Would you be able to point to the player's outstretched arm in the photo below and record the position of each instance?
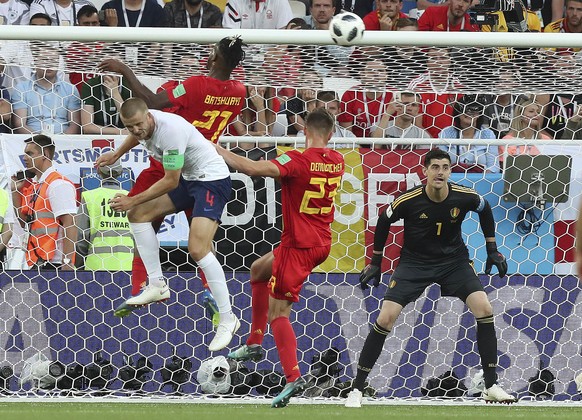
(494, 257)
(153, 100)
(248, 166)
(110, 158)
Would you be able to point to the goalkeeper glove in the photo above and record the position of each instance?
(372, 272)
(495, 258)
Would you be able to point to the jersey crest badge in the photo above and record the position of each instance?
(455, 211)
(179, 91)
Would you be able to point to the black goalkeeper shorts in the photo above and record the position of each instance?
(409, 281)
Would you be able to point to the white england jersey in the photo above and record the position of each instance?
(173, 134)
(60, 16)
(14, 12)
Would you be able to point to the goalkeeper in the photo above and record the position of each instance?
(434, 251)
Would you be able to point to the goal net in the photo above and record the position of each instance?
(509, 115)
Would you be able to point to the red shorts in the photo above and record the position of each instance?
(291, 268)
(147, 177)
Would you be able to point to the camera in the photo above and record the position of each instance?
(514, 12)
(22, 175)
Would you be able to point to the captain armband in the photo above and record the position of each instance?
(173, 160)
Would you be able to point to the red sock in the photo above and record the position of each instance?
(139, 275)
(259, 312)
(203, 278)
(287, 347)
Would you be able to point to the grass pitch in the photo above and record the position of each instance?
(193, 411)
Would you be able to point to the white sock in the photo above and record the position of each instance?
(148, 246)
(217, 284)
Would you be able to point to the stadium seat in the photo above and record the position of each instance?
(298, 8)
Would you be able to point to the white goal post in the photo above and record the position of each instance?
(65, 321)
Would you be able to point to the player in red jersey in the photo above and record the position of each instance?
(309, 183)
(210, 103)
(450, 17)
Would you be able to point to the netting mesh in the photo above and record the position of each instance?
(489, 107)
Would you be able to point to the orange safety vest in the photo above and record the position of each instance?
(44, 227)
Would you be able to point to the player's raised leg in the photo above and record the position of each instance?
(261, 271)
(147, 243)
(210, 198)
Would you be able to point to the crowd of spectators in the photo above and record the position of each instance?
(401, 92)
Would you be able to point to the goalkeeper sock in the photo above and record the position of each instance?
(286, 343)
(372, 348)
(217, 283)
(259, 312)
(139, 275)
(487, 345)
(148, 247)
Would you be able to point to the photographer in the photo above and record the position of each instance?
(502, 16)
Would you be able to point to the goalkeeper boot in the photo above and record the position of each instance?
(496, 394)
(354, 399)
(150, 294)
(211, 307)
(253, 352)
(224, 333)
(290, 390)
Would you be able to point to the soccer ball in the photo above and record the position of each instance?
(346, 28)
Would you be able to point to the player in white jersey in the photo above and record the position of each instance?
(196, 177)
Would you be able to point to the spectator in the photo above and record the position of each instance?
(328, 60)
(105, 242)
(572, 20)
(83, 52)
(101, 98)
(404, 63)
(192, 14)
(451, 17)
(61, 12)
(17, 12)
(47, 208)
(135, 13)
(501, 107)
(364, 107)
(297, 108)
(525, 125)
(290, 57)
(257, 14)
(40, 19)
(468, 120)
(559, 107)
(46, 103)
(385, 17)
(14, 53)
(328, 99)
(397, 121)
(258, 116)
(434, 87)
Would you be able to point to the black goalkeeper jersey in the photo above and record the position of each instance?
(432, 231)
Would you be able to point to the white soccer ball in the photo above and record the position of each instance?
(346, 28)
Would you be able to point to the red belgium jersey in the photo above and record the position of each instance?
(209, 104)
(309, 183)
